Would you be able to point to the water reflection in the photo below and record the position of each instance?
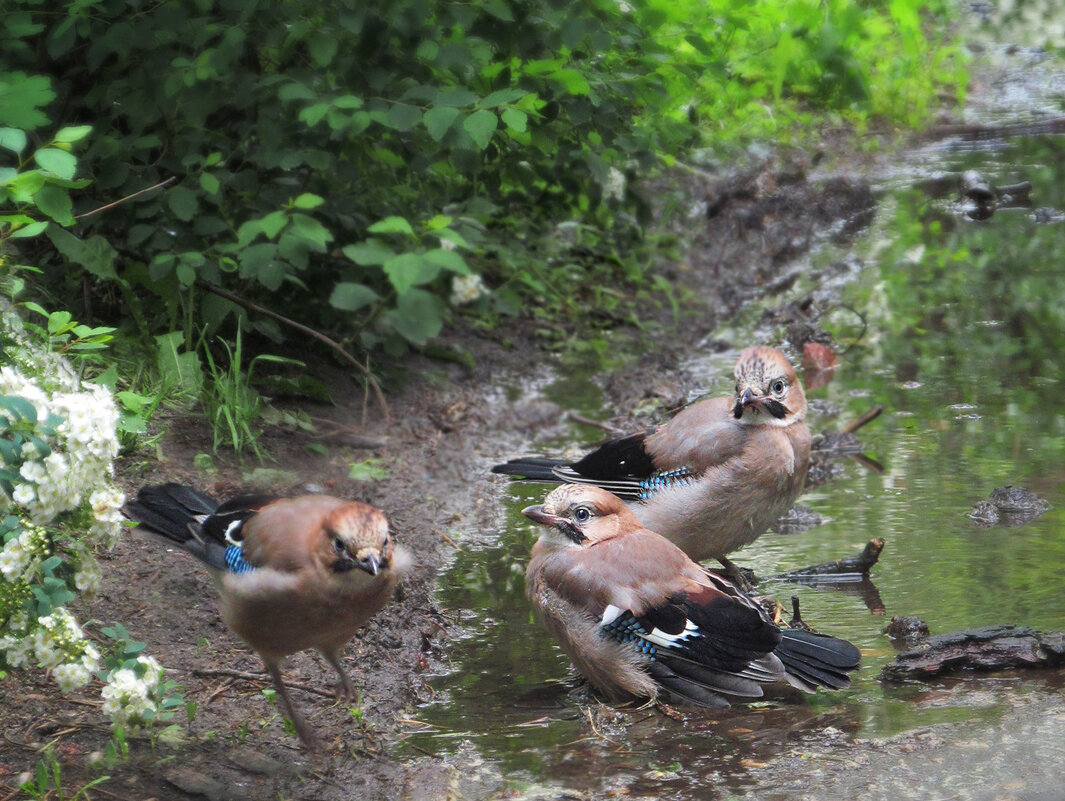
(965, 349)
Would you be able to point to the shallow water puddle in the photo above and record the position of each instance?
(964, 346)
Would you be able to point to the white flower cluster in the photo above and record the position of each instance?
(57, 643)
(130, 700)
(466, 289)
(22, 554)
(64, 466)
(614, 186)
(83, 448)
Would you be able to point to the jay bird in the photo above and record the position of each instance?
(717, 475)
(291, 573)
(638, 618)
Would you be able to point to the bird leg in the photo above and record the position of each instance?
(307, 737)
(736, 574)
(345, 689)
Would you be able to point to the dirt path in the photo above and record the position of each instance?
(449, 424)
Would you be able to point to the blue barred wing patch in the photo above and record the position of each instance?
(627, 629)
(235, 561)
(659, 481)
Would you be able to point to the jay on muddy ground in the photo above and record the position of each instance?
(291, 573)
(714, 477)
(640, 620)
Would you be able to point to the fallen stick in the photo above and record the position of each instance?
(851, 568)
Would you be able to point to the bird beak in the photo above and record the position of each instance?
(370, 563)
(748, 398)
(538, 515)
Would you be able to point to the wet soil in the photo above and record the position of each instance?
(447, 425)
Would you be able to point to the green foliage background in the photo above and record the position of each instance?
(341, 162)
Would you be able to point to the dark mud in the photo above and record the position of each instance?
(448, 424)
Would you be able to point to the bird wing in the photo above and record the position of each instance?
(701, 436)
(705, 634)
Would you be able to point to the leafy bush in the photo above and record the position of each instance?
(57, 442)
(350, 162)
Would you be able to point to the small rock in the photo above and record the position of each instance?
(907, 629)
(192, 782)
(799, 518)
(985, 513)
(1017, 499)
(1010, 506)
(255, 761)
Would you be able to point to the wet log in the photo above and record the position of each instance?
(851, 568)
(982, 649)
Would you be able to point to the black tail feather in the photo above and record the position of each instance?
(817, 660)
(168, 509)
(531, 469)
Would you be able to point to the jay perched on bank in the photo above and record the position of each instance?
(291, 573)
(638, 618)
(716, 476)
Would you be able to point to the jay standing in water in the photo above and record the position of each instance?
(716, 476)
(638, 618)
(291, 573)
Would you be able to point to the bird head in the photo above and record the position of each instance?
(357, 536)
(583, 515)
(768, 391)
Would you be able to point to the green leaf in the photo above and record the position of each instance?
(347, 102)
(13, 139)
(20, 97)
(517, 120)
(56, 203)
(501, 97)
(56, 161)
(352, 297)
(572, 81)
(26, 231)
(498, 9)
(272, 223)
(438, 121)
(480, 126)
(73, 133)
(369, 252)
(418, 316)
(391, 225)
(209, 184)
(323, 48)
(368, 470)
(457, 98)
(308, 201)
(403, 271)
(95, 254)
(296, 91)
(183, 202)
(448, 259)
(402, 117)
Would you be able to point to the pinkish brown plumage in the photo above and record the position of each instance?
(718, 474)
(291, 573)
(637, 617)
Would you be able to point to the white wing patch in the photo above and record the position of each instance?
(663, 640)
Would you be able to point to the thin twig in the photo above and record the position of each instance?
(120, 201)
(255, 307)
(577, 418)
(265, 679)
(866, 418)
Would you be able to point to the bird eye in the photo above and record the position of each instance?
(581, 514)
(778, 387)
(338, 545)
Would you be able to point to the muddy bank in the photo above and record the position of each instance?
(448, 424)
